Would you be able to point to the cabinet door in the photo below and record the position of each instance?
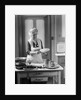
(61, 61)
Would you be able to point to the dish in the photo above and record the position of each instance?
(33, 52)
(37, 64)
(35, 49)
(53, 67)
(20, 58)
(44, 50)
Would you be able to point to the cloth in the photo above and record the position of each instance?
(36, 58)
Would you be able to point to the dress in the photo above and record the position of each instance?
(31, 45)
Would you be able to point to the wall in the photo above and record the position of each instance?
(48, 35)
(60, 29)
(60, 37)
(57, 33)
(16, 37)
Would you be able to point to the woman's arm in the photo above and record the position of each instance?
(28, 48)
(41, 44)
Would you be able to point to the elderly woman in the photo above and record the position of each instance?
(33, 47)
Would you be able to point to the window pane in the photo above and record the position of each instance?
(41, 31)
(28, 26)
(63, 25)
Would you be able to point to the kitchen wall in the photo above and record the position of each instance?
(60, 29)
(57, 33)
(60, 42)
(16, 37)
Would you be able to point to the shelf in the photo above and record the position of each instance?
(60, 54)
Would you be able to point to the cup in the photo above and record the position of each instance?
(49, 63)
(52, 64)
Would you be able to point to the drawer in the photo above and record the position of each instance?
(42, 74)
(39, 79)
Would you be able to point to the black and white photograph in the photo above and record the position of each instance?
(40, 49)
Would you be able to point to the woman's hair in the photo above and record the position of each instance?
(32, 31)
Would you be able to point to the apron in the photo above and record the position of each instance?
(36, 58)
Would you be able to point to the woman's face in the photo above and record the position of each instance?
(34, 36)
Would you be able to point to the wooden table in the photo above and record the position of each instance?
(39, 72)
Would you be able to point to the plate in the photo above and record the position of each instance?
(53, 67)
(35, 49)
(20, 58)
(37, 64)
(44, 50)
(33, 52)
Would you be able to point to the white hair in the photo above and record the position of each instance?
(31, 31)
